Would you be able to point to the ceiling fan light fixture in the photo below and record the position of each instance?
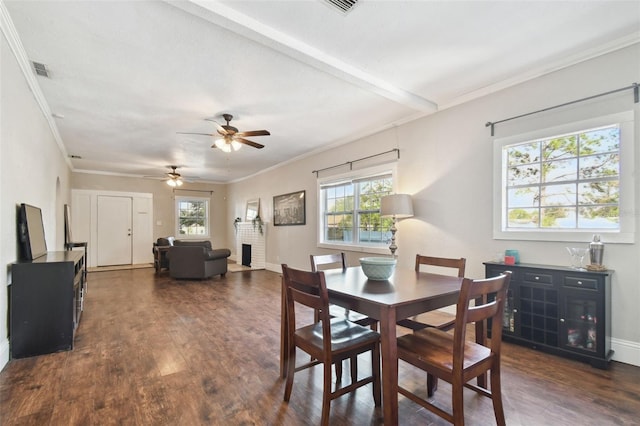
(174, 182)
(223, 145)
(236, 145)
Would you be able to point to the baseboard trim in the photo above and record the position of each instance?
(626, 351)
(274, 267)
(4, 353)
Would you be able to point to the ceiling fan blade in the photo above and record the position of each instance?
(220, 129)
(248, 142)
(254, 133)
(189, 133)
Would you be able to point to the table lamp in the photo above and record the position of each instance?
(398, 206)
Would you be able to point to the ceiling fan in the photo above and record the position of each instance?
(173, 178)
(229, 137)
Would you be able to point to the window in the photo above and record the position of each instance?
(566, 183)
(192, 217)
(349, 211)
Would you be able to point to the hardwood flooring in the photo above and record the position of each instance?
(153, 351)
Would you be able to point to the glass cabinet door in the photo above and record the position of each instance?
(580, 323)
(509, 314)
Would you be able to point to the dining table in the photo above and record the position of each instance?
(405, 294)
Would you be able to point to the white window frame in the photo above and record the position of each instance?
(353, 175)
(626, 233)
(177, 217)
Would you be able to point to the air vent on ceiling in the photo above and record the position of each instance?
(343, 6)
(41, 69)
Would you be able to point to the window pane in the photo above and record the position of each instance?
(604, 192)
(605, 217)
(523, 175)
(523, 154)
(558, 195)
(523, 197)
(373, 229)
(596, 166)
(562, 170)
(558, 217)
(559, 148)
(523, 218)
(600, 140)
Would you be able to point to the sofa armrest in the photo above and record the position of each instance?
(218, 254)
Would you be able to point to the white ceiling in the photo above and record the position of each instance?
(128, 75)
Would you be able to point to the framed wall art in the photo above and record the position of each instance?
(289, 209)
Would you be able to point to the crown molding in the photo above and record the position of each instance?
(11, 35)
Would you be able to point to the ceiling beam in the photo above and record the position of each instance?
(257, 31)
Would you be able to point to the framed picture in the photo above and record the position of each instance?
(289, 209)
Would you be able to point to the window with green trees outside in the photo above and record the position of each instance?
(568, 181)
(192, 216)
(350, 211)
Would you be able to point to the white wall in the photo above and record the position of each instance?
(164, 202)
(32, 170)
(446, 164)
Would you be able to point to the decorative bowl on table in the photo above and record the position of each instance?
(378, 268)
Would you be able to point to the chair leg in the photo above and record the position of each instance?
(354, 369)
(496, 395)
(432, 385)
(457, 402)
(326, 394)
(291, 370)
(375, 370)
(338, 371)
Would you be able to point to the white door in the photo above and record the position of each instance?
(114, 230)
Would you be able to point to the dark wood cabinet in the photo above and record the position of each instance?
(46, 302)
(559, 310)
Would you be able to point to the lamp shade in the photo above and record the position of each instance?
(398, 205)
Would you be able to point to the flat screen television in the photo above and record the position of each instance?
(31, 232)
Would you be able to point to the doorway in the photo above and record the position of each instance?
(114, 230)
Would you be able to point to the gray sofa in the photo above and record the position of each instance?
(196, 260)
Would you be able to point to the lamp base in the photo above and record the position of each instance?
(393, 247)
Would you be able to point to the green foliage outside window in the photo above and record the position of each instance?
(565, 182)
(352, 211)
(192, 217)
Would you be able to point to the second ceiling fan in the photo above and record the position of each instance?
(229, 138)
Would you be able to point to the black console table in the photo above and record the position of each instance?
(559, 310)
(46, 302)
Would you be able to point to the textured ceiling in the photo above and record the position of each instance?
(126, 76)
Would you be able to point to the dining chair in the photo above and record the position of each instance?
(336, 261)
(434, 319)
(329, 341)
(454, 359)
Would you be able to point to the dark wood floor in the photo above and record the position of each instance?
(152, 351)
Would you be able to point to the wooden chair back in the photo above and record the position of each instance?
(444, 262)
(475, 306)
(327, 261)
(308, 289)
(341, 339)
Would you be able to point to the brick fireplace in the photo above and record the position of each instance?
(250, 244)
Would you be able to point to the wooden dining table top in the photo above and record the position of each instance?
(408, 291)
